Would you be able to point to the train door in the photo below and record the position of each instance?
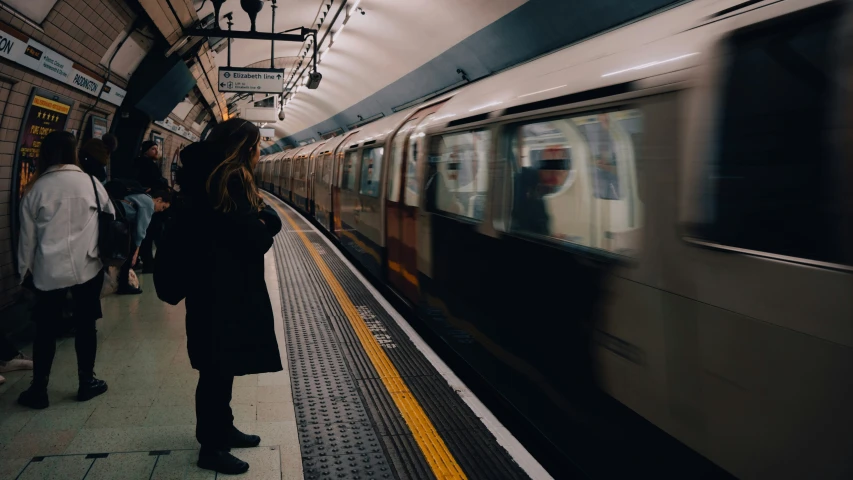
(401, 203)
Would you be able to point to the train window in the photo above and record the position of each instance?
(327, 169)
(462, 173)
(773, 183)
(399, 148)
(575, 180)
(371, 171)
(416, 146)
(349, 170)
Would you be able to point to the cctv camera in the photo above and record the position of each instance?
(314, 80)
(281, 114)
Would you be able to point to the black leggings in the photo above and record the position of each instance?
(213, 409)
(48, 317)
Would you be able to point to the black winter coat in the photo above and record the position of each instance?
(147, 173)
(230, 325)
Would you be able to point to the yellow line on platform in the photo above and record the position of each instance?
(438, 456)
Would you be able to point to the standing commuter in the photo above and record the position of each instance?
(147, 172)
(139, 210)
(94, 158)
(230, 326)
(59, 248)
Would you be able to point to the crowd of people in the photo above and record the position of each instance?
(222, 220)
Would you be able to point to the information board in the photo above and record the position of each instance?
(251, 80)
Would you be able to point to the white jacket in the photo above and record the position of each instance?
(59, 229)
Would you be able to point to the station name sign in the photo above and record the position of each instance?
(251, 80)
(17, 47)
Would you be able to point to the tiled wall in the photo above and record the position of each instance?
(81, 30)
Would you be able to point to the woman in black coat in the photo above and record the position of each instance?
(230, 326)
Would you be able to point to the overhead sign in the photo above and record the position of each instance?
(17, 47)
(177, 129)
(251, 80)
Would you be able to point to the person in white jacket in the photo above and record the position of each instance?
(58, 252)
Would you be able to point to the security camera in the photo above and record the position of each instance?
(314, 80)
(281, 114)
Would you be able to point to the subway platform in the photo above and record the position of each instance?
(360, 397)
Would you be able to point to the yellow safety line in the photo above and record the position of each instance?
(437, 455)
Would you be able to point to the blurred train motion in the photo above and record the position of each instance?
(661, 213)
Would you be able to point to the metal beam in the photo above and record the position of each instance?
(278, 37)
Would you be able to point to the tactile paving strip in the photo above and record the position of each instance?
(474, 448)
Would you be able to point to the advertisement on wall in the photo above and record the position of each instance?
(46, 112)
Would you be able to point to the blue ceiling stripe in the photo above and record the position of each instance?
(535, 28)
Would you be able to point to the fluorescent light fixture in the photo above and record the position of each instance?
(354, 6)
(540, 91)
(337, 34)
(651, 64)
(485, 106)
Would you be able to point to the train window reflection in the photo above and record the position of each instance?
(327, 169)
(416, 146)
(371, 171)
(575, 180)
(349, 170)
(399, 148)
(462, 173)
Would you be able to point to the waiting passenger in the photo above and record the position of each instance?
(139, 209)
(59, 248)
(230, 326)
(94, 158)
(146, 171)
(11, 359)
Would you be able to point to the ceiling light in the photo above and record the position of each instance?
(651, 64)
(354, 6)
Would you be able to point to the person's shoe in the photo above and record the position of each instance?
(19, 362)
(90, 388)
(2, 379)
(238, 439)
(221, 461)
(128, 290)
(35, 396)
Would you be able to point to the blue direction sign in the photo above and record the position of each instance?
(251, 80)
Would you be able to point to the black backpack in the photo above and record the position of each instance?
(119, 188)
(113, 233)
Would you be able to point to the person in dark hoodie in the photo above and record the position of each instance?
(230, 326)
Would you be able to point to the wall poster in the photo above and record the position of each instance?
(46, 112)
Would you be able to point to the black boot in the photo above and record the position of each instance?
(238, 439)
(221, 461)
(90, 387)
(36, 395)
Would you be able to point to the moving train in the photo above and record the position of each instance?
(643, 242)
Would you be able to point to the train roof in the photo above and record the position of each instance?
(672, 41)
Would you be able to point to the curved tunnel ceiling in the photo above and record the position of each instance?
(399, 51)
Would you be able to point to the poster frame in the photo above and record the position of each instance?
(14, 200)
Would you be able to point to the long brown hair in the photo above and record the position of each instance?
(237, 138)
(58, 148)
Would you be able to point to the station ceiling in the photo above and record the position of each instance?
(387, 53)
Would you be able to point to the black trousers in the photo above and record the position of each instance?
(213, 409)
(48, 318)
(7, 350)
(124, 272)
